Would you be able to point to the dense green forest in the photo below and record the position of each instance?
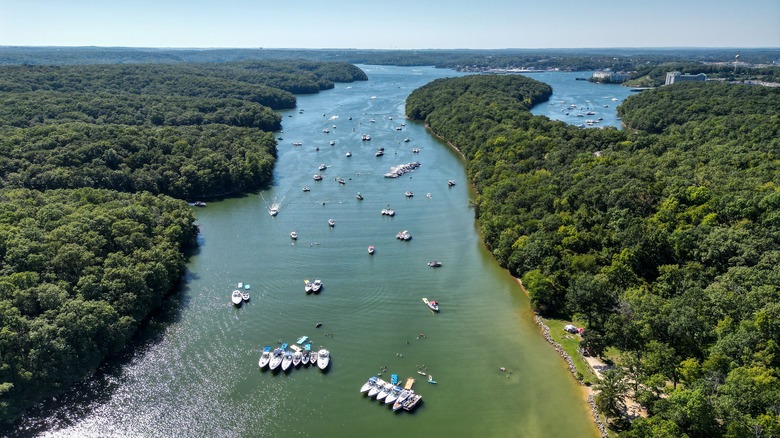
(664, 245)
(92, 161)
(79, 269)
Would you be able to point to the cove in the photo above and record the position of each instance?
(195, 373)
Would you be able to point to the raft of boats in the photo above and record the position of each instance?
(391, 394)
(401, 169)
(285, 359)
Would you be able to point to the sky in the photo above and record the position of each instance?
(397, 24)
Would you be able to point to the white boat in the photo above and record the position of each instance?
(450, 182)
(297, 357)
(313, 357)
(245, 296)
(276, 359)
(323, 359)
(294, 235)
(415, 150)
(287, 360)
(434, 264)
(378, 385)
(433, 305)
(316, 285)
(406, 140)
(305, 357)
(366, 386)
(399, 402)
(386, 389)
(306, 189)
(317, 177)
(323, 166)
(379, 153)
(371, 249)
(412, 401)
(393, 396)
(240, 284)
(388, 212)
(341, 181)
(408, 194)
(265, 357)
(236, 298)
(366, 137)
(403, 235)
(349, 154)
(326, 131)
(297, 143)
(332, 142)
(331, 223)
(273, 211)
(359, 197)
(308, 286)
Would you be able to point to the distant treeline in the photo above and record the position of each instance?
(574, 59)
(665, 245)
(95, 164)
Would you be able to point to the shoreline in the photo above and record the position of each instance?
(587, 392)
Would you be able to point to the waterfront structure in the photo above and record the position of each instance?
(675, 76)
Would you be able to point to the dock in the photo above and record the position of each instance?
(409, 383)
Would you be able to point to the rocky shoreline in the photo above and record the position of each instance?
(573, 370)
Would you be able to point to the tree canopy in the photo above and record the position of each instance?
(663, 241)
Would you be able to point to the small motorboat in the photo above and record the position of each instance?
(393, 395)
(313, 358)
(402, 398)
(415, 150)
(379, 153)
(386, 389)
(323, 359)
(450, 182)
(273, 211)
(434, 264)
(317, 177)
(326, 131)
(297, 143)
(276, 359)
(403, 235)
(297, 357)
(308, 286)
(371, 249)
(294, 235)
(323, 166)
(265, 357)
(316, 285)
(378, 385)
(245, 295)
(306, 189)
(408, 194)
(412, 402)
(359, 196)
(349, 154)
(366, 137)
(331, 223)
(366, 386)
(287, 360)
(341, 181)
(236, 298)
(306, 355)
(406, 140)
(332, 142)
(198, 204)
(433, 305)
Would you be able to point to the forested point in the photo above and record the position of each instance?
(95, 164)
(79, 269)
(663, 244)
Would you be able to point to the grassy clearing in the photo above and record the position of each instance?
(571, 344)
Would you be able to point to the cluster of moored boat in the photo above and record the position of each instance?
(295, 356)
(403, 235)
(312, 286)
(401, 169)
(391, 394)
(240, 295)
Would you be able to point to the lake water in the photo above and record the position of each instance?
(193, 370)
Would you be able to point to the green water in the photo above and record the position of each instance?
(195, 373)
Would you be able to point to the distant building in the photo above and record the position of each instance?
(676, 76)
(608, 76)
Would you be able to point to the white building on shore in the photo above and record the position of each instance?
(675, 76)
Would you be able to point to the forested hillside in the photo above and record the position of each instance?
(92, 161)
(665, 245)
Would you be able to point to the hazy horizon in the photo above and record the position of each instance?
(403, 25)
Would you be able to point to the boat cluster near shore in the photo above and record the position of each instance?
(401, 169)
